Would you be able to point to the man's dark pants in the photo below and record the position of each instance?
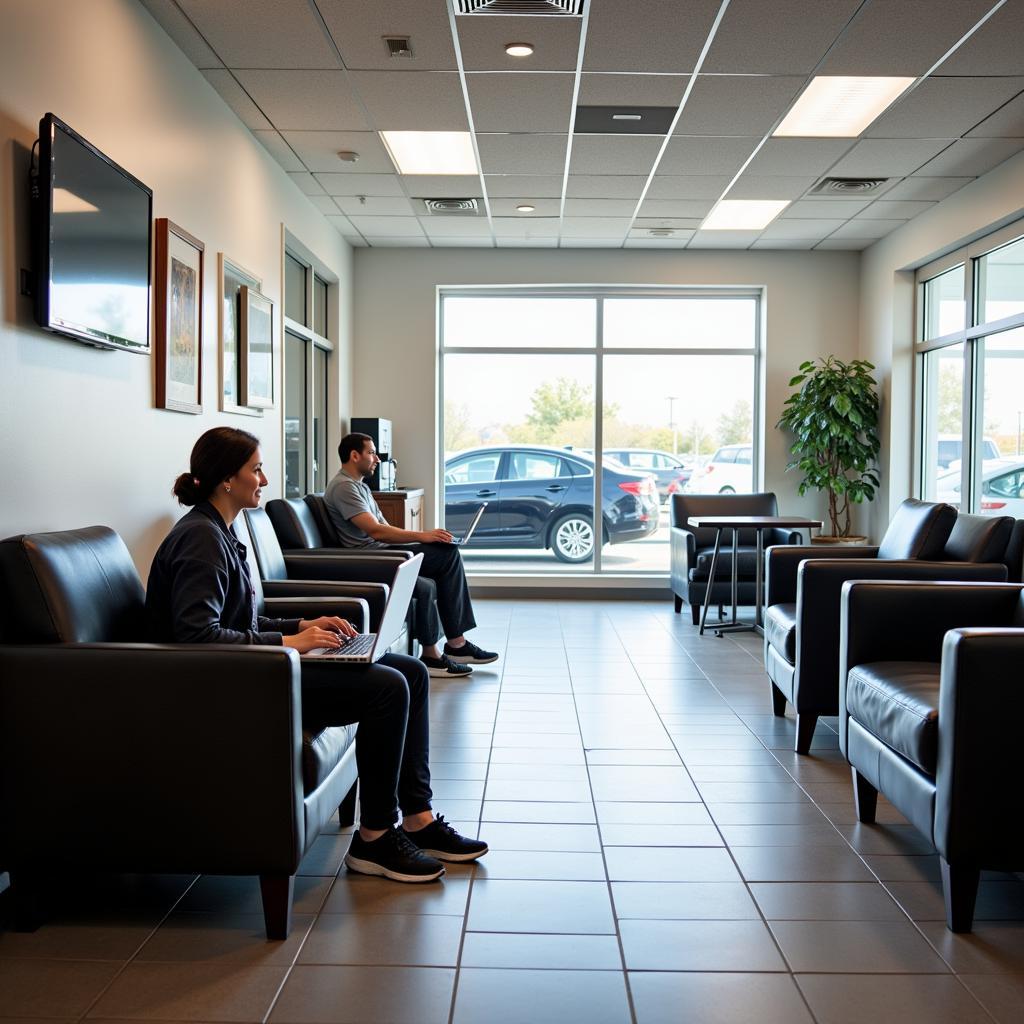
(442, 565)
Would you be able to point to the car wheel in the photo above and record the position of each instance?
(572, 538)
(727, 490)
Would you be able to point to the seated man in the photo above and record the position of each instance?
(359, 523)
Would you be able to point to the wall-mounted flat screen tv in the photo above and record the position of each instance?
(93, 224)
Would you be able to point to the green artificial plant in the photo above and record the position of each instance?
(834, 418)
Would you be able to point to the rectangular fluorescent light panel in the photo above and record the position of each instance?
(841, 107)
(743, 214)
(431, 152)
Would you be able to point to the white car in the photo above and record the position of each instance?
(1002, 488)
(729, 471)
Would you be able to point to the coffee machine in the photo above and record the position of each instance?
(385, 476)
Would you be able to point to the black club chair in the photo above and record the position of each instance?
(692, 549)
(162, 758)
(929, 715)
(924, 541)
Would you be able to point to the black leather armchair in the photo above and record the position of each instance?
(692, 549)
(161, 757)
(930, 714)
(925, 541)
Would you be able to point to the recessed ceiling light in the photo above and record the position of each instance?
(347, 156)
(431, 152)
(841, 106)
(743, 214)
(519, 49)
(525, 208)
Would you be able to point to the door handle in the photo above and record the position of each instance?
(555, 487)
(486, 494)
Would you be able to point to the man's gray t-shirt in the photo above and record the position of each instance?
(346, 498)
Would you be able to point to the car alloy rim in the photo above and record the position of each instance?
(575, 538)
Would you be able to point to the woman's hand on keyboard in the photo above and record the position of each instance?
(330, 622)
(313, 637)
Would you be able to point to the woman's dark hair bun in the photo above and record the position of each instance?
(186, 489)
(218, 455)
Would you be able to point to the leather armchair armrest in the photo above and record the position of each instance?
(777, 535)
(310, 565)
(308, 606)
(682, 555)
(356, 554)
(374, 594)
(782, 564)
(981, 705)
(145, 757)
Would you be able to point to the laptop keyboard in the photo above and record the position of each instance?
(361, 644)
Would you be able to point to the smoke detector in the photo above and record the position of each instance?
(452, 207)
(848, 186)
(661, 232)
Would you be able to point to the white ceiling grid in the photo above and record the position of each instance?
(311, 78)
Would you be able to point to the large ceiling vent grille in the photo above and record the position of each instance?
(452, 207)
(524, 8)
(848, 186)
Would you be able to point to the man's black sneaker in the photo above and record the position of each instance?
(440, 840)
(470, 654)
(393, 856)
(445, 666)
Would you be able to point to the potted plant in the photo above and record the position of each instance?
(834, 418)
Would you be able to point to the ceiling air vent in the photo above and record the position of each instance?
(452, 207)
(848, 186)
(523, 8)
(398, 46)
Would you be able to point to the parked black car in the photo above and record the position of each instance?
(540, 497)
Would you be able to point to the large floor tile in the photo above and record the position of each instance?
(418, 940)
(660, 835)
(683, 901)
(223, 938)
(993, 947)
(624, 812)
(506, 835)
(641, 783)
(997, 900)
(861, 947)
(669, 864)
(699, 946)
(586, 867)
(553, 812)
(52, 988)
(1001, 994)
(362, 894)
(800, 864)
(825, 901)
(547, 952)
(500, 905)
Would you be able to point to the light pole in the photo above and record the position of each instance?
(672, 423)
(1018, 431)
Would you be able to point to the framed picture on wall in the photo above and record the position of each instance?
(232, 277)
(256, 343)
(179, 318)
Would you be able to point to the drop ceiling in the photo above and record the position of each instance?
(311, 78)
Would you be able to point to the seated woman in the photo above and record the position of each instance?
(200, 591)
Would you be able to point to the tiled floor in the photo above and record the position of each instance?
(658, 854)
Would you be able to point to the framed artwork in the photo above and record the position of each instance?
(256, 343)
(179, 318)
(232, 277)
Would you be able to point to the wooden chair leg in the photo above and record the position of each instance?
(865, 798)
(678, 603)
(805, 732)
(778, 702)
(347, 807)
(960, 890)
(277, 892)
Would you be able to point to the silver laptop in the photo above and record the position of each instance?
(367, 648)
(474, 522)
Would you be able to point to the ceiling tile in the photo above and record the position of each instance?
(399, 242)
(896, 209)
(610, 186)
(375, 206)
(358, 29)
(507, 208)
(825, 208)
(519, 102)
(390, 226)
(683, 223)
(758, 186)
(674, 242)
(325, 204)
(456, 227)
(360, 184)
(305, 100)
(236, 98)
(867, 228)
(690, 186)
(1007, 122)
(669, 34)
(879, 158)
(516, 186)
(508, 242)
(800, 228)
(307, 183)
(443, 186)
(617, 90)
(262, 33)
(590, 243)
(736, 104)
(921, 187)
(343, 224)
(784, 37)
(943, 108)
(170, 18)
(902, 37)
(462, 243)
(427, 101)
(785, 243)
(279, 150)
(524, 154)
(845, 244)
(972, 157)
(556, 43)
(595, 227)
(599, 207)
(781, 157)
(994, 49)
(319, 151)
(613, 154)
(705, 155)
(526, 227)
(675, 207)
(723, 239)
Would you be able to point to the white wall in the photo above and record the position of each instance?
(80, 441)
(811, 305)
(887, 307)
